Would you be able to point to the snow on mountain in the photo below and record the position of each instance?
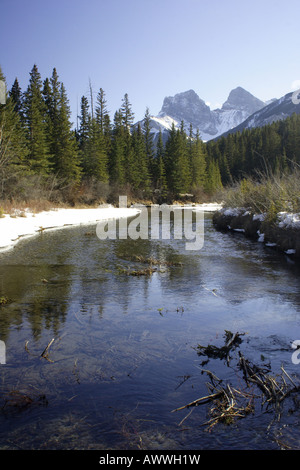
(187, 107)
(277, 109)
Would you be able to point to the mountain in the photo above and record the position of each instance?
(191, 109)
(278, 109)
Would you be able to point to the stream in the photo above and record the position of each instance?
(124, 350)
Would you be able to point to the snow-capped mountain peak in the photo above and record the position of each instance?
(189, 108)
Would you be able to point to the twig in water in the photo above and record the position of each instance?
(45, 352)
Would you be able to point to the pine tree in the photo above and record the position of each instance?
(149, 144)
(101, 110)
(13, 144)
(180, 177)
(159, 173)
(67, 162)
(17, 97)
(139, 175)
(83, 132)
(213, 180)
(197, 160)
(127, 114)
(170, 150)
(95, 156)
(34, 112)
(117, 158)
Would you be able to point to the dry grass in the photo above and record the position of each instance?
(270, 194)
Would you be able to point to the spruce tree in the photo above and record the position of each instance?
(95, 156)
(180, 169)
(101, 110)
(139, 176)
(83, 132)
(13, 146)
(35, 123)
(213, 180)
(149, 144)
(117, 169)
(17, 97)
(127, 114)
(197, 160)
(159, 174)
(67, 164)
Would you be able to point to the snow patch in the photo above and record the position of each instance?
(14, 228)
(288, 220)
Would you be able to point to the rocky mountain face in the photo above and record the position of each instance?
(241, 110)
(191, 109)
(278, 109)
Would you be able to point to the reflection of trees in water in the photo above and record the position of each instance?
(39, 295)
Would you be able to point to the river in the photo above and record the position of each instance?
(124, 351)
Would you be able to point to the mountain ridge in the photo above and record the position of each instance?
(189, 108)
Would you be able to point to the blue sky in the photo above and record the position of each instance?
(153, 48)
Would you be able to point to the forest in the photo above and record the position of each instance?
(44, 157)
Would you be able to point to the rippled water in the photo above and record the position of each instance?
(124, 351)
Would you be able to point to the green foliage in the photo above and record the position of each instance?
(35, 125)
(40, 149)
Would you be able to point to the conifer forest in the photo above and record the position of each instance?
(43, 155)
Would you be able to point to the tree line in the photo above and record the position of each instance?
(43, 155)
(39, 148)
(268, 150)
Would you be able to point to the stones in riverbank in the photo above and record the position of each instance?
(282, 236)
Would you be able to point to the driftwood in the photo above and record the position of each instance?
(228, 403)
(44, 353)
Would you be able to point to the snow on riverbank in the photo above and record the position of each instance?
(25, 223)
(284, 234)
(12, 229)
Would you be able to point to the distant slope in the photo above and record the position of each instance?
(188, 108)
(279, 109)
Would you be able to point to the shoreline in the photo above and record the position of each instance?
(282, 235)
(26, 224)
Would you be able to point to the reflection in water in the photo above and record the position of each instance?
(123, 354)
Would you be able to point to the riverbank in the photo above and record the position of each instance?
(282, 235)
(25, 223)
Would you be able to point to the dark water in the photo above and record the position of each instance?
(124, 351)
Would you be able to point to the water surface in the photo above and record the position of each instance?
(124, 351)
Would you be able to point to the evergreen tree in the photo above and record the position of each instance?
(67, 162)
(16, 95)
(139, 176)
(127, 114)
(101, 110)
(159, 174)
(13, 144)
(35, 113)
(213, 180)
(149, 144)
(177, 164)
(197, 160)
(50, 119)
(83, 132)
(117, 159)
(95, 156)
(170, 150)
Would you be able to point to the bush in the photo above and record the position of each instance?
(267, 194)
